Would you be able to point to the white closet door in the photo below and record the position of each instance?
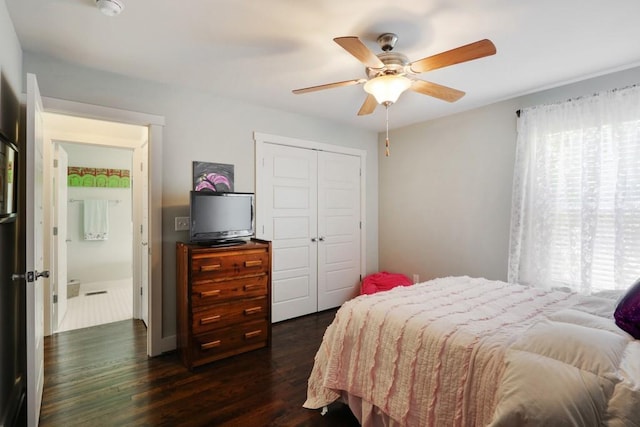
(338, 228)
(288, 201)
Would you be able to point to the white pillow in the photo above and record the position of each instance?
(539, 391)
(582, 318)
(595, 350)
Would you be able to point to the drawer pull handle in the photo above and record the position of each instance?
(207, 294)
(210, 267)
(202, 282)
(209, 345)
(252, 287)
(211, 319)
(254, 263)
(252, 310)
(252, 334)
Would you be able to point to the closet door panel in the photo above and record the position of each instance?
(338, 228)
(289, 205)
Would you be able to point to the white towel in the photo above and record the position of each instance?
(96, 219)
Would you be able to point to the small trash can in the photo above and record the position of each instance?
(73, 288)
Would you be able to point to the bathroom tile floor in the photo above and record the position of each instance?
(94, 307)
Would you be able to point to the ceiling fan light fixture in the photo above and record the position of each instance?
(386, 89)
(110, 7)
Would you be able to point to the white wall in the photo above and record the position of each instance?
(10, 71)
(10, 50)
(445, 192)
(201, 126)
(112, 259)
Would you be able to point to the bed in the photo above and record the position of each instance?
(461, 351)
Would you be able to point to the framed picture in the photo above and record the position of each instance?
(216, 177)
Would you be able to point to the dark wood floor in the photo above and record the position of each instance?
(101, 376)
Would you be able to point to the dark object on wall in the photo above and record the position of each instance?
(12, 293)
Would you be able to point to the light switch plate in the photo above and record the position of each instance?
(182, 223)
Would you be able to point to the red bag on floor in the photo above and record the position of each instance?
(383, 281)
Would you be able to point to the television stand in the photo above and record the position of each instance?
(223, 301)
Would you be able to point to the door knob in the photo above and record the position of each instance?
(42, 274)
(321, 239)
(30, 276)
(313, 239)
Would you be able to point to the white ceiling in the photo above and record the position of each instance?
(258, 51)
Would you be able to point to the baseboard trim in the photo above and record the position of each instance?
(168, 344)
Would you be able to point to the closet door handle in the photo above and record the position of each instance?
(313, 239)
(321, 239)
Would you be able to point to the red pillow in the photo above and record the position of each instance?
(627, 312)
(383, 281)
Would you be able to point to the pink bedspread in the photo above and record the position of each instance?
(431, 354)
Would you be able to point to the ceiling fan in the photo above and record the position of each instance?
(390, 73)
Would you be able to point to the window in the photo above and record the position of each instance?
(576, 194)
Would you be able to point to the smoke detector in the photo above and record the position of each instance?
(110, 7)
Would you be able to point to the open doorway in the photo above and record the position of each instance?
(93, 269)
(97, 275)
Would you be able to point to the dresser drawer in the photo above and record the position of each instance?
(229, 264)
(229, 341)
(223, 300)
(219, 316)
(209, 291)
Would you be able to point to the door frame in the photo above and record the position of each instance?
(155, 124)
(59, 220)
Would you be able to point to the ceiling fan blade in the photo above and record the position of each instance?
(465, 53)
(368, 106)
(437, 91)
(355, 47)
(329, 86)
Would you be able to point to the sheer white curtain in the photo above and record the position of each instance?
(575, 219)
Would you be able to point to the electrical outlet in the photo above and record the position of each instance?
(182, 223)
(416, 278)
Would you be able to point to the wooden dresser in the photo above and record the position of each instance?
(223, 300)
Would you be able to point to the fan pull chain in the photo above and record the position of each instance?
(386, 142)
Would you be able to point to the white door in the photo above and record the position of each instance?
(61, 161)
(338, 229)
(144, 239)
(34, 252)
(288, 197)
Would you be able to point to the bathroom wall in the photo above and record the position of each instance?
(91, 261)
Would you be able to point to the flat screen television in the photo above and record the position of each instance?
(220, 218)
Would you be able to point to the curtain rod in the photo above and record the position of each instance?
(633, 86)
(81, 200)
